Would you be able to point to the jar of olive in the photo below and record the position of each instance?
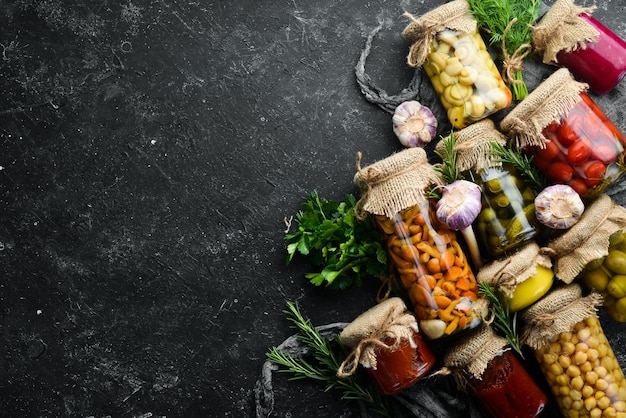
(507, 218)
(574, 354)
(426, 255)
(446, 42)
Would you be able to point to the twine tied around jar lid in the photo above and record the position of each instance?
(454, 15)
(561, 29)
(557, 312)
(552, 99)
(394, 183)
(473, 146)
(506, 273)
(474, 352)
(387, 320)
(587, 240)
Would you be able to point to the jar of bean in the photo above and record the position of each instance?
(570, 138)
(386, 341)
(446, 42)
(574, 354)
(568, 35)
(494, 376)
(428, 260)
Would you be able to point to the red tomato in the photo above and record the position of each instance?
(594, 173)
(567, 134)
(549, 152)
(552, 127)
(605, 153)
(578, 152)
(541, 163)
(579, 186)
(559, 172)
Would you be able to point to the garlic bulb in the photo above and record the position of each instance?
(414, 124)
(558, 206)
(459, 204)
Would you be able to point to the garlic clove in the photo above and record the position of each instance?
(558, 206)
(415, 125)
(459, 204)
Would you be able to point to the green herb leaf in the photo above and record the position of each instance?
(325, 361)
(447, 168)
(522, 163)
(504, 321)
(335, 240)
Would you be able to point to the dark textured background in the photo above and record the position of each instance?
(150, 151)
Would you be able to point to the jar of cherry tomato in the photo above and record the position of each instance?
(570, 36)
(446, 42)
(571, 139)
(386, 342)
(574, 354)
(494, 375)
(426, 255)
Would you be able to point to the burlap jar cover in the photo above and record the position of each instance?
(474, 351)
(587, 240)
(555, 313)
(473, 146)
(454, 15)
(505, 274)
(561, 29)
(553, 98)
(387, 320)
(395, 183)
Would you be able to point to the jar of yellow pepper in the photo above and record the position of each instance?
(426, 255)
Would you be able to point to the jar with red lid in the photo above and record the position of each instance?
(427, 258)
(571, 139)
(568, 35)
(386, 341)
(492, 373)
(574, 354)
(447, 44)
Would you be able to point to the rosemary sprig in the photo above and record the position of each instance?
(504, 321)
(522, 163)
(327, 361)
(447, 168)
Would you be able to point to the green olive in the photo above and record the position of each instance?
(595, 264)
(617, 286)
(528, 195)
(500, 201)
(617, 311)
(616, 262)
(494, 186)
(487, 215)
(596, 279)
(618, 241)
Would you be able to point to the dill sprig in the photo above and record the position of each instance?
(504, 321)
(521, 162)
(327, 361)
(507, 22)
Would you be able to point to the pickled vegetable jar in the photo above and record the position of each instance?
(507, 218)
(607, 275)
(465, 77)
(494, 376)
(577, 359)
(433, 269)
(582, 149)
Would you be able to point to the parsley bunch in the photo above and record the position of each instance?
(333, 238)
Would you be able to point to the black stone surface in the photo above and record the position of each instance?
(150, 151)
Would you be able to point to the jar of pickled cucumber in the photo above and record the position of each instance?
(446, 42)
(507, 218)
(494, 376)
(386, 341)
(570, 138)
(428, 260)
(574, 354)
(607, 275)
(568, 35)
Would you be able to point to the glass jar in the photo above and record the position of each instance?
(400, 367)
(386, 341)
(601, 64)
(433, 269)
(507, 218)
(465, 77)
(578, 362)
(489, 370)
(607, 275)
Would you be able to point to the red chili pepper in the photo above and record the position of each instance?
(594, 173)
(578, 152)
(579, 186)
(559, 172)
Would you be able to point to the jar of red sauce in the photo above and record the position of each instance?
(568, 35)
(578, 145)
(495, 377)
(385, 340)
